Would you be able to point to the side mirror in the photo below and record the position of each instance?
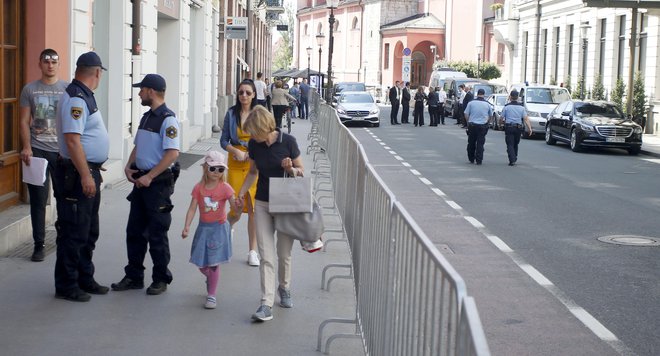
(377, 101)
(566, 113)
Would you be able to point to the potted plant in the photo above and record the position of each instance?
(498, 8)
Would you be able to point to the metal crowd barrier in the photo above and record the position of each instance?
(409, 299)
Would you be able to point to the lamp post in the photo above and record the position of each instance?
(479, 47)
(319, 41)
(332, 4)
(584, 31)
(309, 57)
(433, 49)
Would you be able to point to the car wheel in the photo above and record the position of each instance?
(375, 125)
(548, 136)
(634, 151)
(575, 142)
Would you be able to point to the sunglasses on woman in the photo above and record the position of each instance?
(244, 92)
(218, 169)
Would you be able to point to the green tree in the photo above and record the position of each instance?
(618, 92)
(487, 70)
(639, 97)
(578, 88)
(284, 52)
(553, 81)
(598, 90)
(567, 84)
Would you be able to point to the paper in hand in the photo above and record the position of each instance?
(35, 173)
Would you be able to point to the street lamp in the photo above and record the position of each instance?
(584, 31)
(319, 41)
(479, 47)
(332, 4)
(433, 49)
(309, 57)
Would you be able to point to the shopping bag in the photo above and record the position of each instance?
(290, 195)
(306, 227)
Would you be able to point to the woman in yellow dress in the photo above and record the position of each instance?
(235, 141)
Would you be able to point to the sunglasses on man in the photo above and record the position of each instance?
(50, 57)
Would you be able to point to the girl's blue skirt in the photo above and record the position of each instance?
(211, 245)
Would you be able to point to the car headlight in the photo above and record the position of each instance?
(587, 128)
(637, 130)
(341, 110)
(374, 111)
(533, 114)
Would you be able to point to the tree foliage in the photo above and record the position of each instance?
(487, 70)
(567, 84)
(578, 88)
(618, 92)
(639, 97)
(284, 52)
(598, 90)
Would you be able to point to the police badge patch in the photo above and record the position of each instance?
(171, 132)
(76, 112)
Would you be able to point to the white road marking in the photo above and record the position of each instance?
(415, 172)
(454, 205)
(438, 192)
(406, 164)
(476, 223)
(501, 245)
(535, 274)
(385, 147)
(392, 152)
(425, 181)
(399, 158)
(652, 160)
(592, 323)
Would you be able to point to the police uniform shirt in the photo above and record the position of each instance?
(478, 111)
(79, 114)
(513, 113)
(158, 132)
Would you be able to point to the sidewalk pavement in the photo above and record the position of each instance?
(174, 323)
(651, 145)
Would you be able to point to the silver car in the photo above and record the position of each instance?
(498, 101)
(358, 107)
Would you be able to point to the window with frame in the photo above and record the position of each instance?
(571, 29)
(622, 46)
(524, 56)
(544, 53)
(643, 39)
(556, 54)
(386, 56)
(601, 56)
(354, 25)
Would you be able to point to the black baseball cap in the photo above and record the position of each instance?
(514, 94)
(90, 59)
(153, 81)
(481, 92)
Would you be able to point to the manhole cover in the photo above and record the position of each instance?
(631, 240)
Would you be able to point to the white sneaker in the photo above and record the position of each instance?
(253, 258)
(312, 246)
(211, 303)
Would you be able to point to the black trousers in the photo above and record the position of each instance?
(39, 197)
(394, 113)
(433, 115)
(476, 140)
(77, 229)
(512, 135)
(278, 112)
(405, 113)
(303, 107)
(148, 224)
(418, 114)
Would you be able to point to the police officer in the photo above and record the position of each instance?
(514, 114)
(478, 113)
(152, 171)
(84, 146)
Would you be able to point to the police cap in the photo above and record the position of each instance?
(514, 94)
(481, 92)
(90, 59)
(153, 81)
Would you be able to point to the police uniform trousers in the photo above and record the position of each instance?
(77, 227)
(418, 114)
(512, 133)
(433, 115)
(394, 113)
(476, 139)
(148, 223)
(405, 112)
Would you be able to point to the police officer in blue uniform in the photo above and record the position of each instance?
(478, 113)
(514, 114)
(84, 147)
(151, 168)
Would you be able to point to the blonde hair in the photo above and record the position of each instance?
(205, 174)
(259, 122)
(278, 84)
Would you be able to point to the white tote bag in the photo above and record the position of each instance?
(290, 195)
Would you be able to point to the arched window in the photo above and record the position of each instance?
(319, 28)
(335, 26)
(306, 30)
(354, 26)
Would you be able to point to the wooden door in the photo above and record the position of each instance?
(10, 89)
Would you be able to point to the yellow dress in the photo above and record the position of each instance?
(238, 170)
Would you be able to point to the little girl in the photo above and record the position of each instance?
(211, 245)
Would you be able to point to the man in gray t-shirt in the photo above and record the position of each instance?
(38, 103)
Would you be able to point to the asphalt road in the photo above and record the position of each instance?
(551, 208)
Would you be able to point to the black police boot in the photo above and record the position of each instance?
(126, 284)
(39, 254)
(157, 288)
(76, 295)
(95, 288)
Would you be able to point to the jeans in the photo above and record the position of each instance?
(303, 107)
(39, 197)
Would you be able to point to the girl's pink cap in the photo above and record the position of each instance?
(215, 158)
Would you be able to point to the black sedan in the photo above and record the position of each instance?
(592, 124)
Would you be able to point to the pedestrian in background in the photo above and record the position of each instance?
(211, 245)
(433, 102)
(477, 114)
(303, 104)
(151, 169)
(405, 104)
(418, 114)
(262, 90)
(280, 102)
(395, 99)
(38, 103)
(269, 94)
(514, 116)
(459, 106)
(235, 140)
(84, 146)
(467, 98)
(442, 96)
(294, 92)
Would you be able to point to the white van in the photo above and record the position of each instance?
(438, 76)
(540, 100)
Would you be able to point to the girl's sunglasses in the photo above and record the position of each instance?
(218, 169)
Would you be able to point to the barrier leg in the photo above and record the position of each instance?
(322, 326)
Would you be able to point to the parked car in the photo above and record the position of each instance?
(592, 124)
(358, 107)
(338, 88)
(451, 88)
(498, 101)
(439, 75)
(539, 100)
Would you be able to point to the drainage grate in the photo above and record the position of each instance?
(630, 240)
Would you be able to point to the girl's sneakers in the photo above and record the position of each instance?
(211, 302)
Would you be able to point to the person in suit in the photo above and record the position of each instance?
(405, 103)
(395, 99)
(469, 96)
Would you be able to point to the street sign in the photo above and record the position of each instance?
(236, 28)
(406, 51)
(283, 27)
(405, 70)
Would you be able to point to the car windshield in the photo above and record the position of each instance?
(488, 89)
(500, 100)
(598, 109)
(546, 95)
(357, 98)
(350, 87)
